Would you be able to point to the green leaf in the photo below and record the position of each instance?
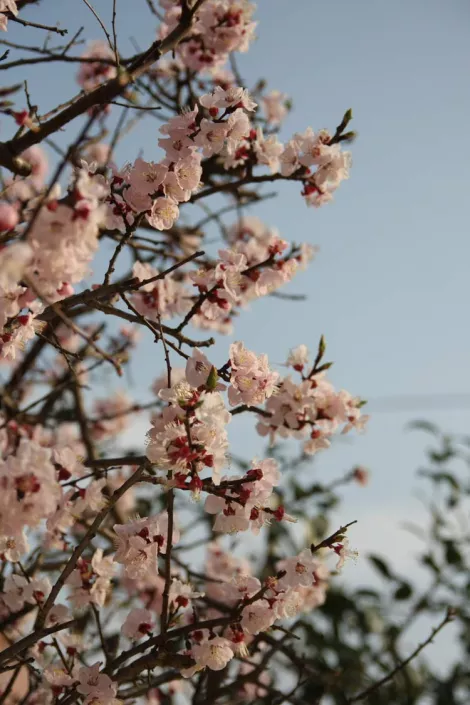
(452, 553)
(429, 561)
(381, 567)
(404, 592)
(424, 426)
(441, 477)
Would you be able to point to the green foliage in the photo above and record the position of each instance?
(359, 636)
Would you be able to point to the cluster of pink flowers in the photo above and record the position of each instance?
(156, 189)
(97, 687)
(90, 582)
(300, 585)
(310, 409)
(34, 477)
(190, 434)
(139, 543)
(252, 381)
(18, 591)
(163, 298)
(222, 27)
(243, 501)
(253, 267)
(61, 242)
(275, 106)
(310, 149)
(64, 236)
(98, 67)
(30, 492)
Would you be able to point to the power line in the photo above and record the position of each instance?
(419, 402)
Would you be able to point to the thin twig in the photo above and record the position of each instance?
(28, 23)
(90, 534)
(375, 686)
(100, 22)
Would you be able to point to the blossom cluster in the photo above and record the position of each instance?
(62, 238)
(139, 543)
(108, 527)
(310, 409)
(34, 473)
(252, 381)
(222, 27)
(243, 501)
(255, 265)
(96, 687)
(97, 67)
(299, 585)
(190, 434)
(219, 126)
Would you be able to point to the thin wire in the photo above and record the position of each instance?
(419, 402)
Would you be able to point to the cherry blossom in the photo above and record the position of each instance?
(139, 622)
(275, 106)
(94, 684)
(213, 654)
(252, 382)
(6, 6)
(72, 471)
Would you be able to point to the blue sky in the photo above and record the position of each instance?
(390, 287)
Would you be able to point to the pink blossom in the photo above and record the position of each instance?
(57, 615)
(274, 104)
(343, 551)
(57, 676)
(18, 591)
(268, 150)
(93, 683)
(163, 214)
(258, 617)
(13, 547)
(289, 158)
(138, 623)
(211, 137)
(298, 358)
(252, 382)
(91, 74)
(300, 570)
(181, 593)
(238, 127)
(232, 97)
(198, 369)
(214, 653)
(14, 260)
(188, 172)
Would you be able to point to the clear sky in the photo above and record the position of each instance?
(390, 287)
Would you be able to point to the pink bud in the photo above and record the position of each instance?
(8, 217)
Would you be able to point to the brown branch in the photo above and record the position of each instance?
(169, 546)
(90, 534)
(28, 23)
(326, 543)
(28, 641)
(102, 95)
(118, 462)
(107, 291)
(53, 58)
